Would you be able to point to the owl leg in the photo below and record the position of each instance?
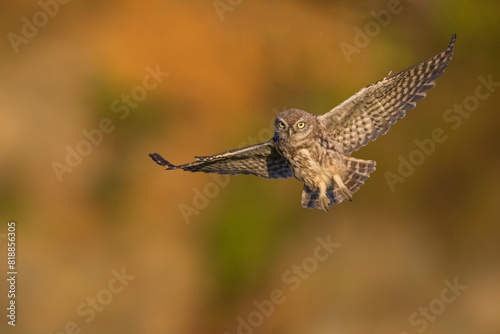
(323, 197)
(343, 189)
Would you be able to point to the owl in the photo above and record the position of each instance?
(315, 149)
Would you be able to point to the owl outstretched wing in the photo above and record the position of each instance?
(261, 160)
(371, 112)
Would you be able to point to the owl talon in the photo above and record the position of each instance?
(343, 189)
(346, 193)
(324, 203)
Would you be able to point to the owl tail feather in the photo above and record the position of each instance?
(358, 171)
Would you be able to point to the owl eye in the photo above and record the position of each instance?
(301, 125)
(281, 124)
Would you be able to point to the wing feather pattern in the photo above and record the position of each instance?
(371, 112)
(261, 160)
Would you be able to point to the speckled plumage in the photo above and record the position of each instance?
(313, 148)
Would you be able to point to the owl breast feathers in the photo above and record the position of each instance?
(313, 148)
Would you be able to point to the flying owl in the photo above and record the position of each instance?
(314, 148)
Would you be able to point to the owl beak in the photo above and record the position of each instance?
(290, 131)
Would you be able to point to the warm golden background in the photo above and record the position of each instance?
(227, 78)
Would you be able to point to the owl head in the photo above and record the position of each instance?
(294, 124)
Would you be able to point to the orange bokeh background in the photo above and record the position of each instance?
(200, 262)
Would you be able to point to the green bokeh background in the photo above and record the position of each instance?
(198, 272)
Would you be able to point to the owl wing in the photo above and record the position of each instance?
(261, 160)
(372, 111)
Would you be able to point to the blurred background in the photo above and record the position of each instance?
(109, 242)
